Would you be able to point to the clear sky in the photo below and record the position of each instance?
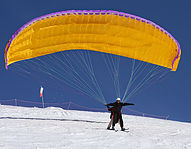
(171, 96)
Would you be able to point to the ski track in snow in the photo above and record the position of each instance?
(55, 128)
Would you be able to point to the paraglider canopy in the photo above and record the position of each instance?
(79, 47)
(97, 30)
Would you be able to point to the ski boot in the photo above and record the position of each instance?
(112, 128)
(122, 129)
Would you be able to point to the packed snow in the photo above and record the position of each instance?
(56, 128)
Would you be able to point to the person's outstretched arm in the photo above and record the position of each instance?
(126, 104)
(110, 104)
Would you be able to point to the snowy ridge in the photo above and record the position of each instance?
(55, 128)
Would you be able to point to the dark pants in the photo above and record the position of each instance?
(117, 117)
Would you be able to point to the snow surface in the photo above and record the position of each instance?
(55, 128)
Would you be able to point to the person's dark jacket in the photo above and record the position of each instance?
(118, 106)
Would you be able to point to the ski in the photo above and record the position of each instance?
(125, 130)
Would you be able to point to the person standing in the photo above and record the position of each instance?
(117, 115)
(111, 117)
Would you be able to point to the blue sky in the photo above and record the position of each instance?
(171, 96)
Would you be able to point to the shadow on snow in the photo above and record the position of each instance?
(73, 120)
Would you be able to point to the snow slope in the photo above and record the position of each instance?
(55, 128)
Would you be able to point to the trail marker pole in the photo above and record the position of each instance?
(42, 101)
(41, 95)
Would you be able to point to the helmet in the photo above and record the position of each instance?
(118, 99)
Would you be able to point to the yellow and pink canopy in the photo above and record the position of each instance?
(97, 30)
